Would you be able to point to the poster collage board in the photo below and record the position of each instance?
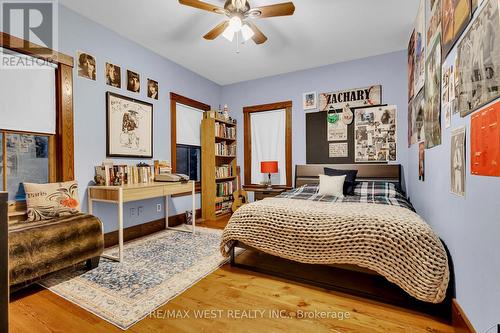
(460, 41)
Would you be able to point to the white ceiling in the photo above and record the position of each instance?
(320, 32)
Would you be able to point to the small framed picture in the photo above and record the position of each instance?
(310, 101)
(86, 66)
(152, 89)
(113, 75)
(133, 81)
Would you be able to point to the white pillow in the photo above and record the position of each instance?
(331, 185)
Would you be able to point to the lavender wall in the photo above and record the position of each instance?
(389, 70)
(79, 33)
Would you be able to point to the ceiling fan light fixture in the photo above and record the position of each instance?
(247, 32)
(228, 34)
(235, 23)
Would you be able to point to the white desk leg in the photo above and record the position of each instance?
(166, 212)
(89, 202)
(120, 225)
(193, 195)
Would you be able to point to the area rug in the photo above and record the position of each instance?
(155, 269)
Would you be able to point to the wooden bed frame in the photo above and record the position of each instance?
(349, 279)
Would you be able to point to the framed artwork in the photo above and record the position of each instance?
(410, 122)
(458, 161)
(152, 89)
(479, 60)
(411, 66)
(133, 81)
(421, 161)
(113, 75)
(419, 67)
(310, 101)
(455, 16)
(485, 141)
(86, 65)
(375, 134)
(432, 112)
(129, 127)
(352, 98)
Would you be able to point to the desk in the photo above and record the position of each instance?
(133, 192)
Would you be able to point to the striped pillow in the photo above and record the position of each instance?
(377, 189)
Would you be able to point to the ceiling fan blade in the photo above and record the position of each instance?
(281, 9)
(258, 37)
(215, 32)
(203, 6)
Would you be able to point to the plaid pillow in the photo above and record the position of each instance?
(377, 189)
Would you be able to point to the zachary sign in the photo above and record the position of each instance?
(351, 98)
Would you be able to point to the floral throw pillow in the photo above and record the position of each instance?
(48, 201)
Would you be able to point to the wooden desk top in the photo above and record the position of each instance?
(141, 185)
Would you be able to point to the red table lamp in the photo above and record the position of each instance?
(269, 167)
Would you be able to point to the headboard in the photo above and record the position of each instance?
(309, 174)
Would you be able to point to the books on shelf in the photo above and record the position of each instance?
(223, 206)
(223, 171)
(224, 131)
(223, 149)
(224, 189)
(116, 175)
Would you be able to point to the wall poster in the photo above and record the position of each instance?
(419, 68)
(421, 161)
(432, 115)
(338, 150)
(479, 60)
(352, 98)
(375, 134)
(337, 129)
(485, 141)
(458, 161)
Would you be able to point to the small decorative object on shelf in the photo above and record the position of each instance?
(225, 113)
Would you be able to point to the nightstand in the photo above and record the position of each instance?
(263, 192)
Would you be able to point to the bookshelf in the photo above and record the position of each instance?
(218, 177)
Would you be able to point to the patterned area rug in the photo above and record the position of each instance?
(155, 269)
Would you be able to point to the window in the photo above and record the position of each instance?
(186, 115)
(27, 125)
(26, 160)
(268, 133)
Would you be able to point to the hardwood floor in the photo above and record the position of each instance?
(275, 303)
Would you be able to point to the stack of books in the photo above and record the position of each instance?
(162, 167)
(223, 171)
(223, 149)
(223, 207)
(224, 189)
(116, 175)
(224, 131)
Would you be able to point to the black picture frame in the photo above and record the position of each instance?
(109, 151)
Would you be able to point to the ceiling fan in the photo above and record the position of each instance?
(239, 15)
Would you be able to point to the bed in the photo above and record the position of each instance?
(372, 244)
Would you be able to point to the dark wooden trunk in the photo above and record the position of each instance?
(4, 265)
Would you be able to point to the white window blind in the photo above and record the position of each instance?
(27, 96)
(188, 122)
(268, 144)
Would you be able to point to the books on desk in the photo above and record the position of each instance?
(117, 175)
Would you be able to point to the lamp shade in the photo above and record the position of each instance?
(269, 167)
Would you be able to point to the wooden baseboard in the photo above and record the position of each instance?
(459, 320)
(144, 229)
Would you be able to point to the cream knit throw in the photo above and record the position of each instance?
(393, 241)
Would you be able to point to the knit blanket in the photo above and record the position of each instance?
(390, 240)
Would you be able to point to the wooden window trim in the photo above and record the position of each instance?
(61, 156)
(174, 99)
(247, 111)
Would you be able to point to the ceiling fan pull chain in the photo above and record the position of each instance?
(237, 43)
